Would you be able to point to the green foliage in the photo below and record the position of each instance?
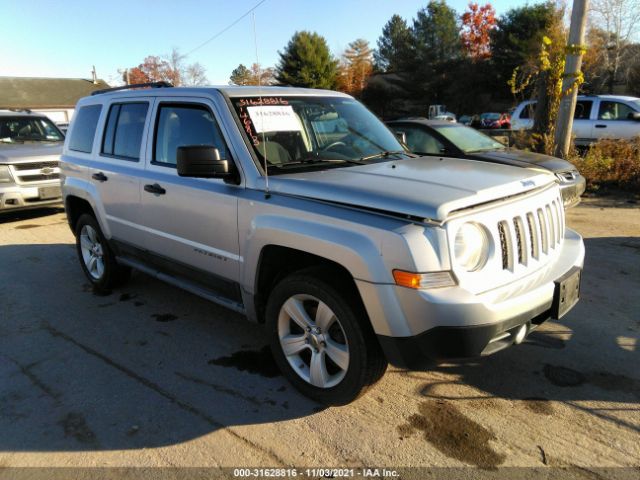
(240, 76)
(307, 62)
(436, 33)
(394, 46)
(437, 48)
(611, 163)
(517, 39)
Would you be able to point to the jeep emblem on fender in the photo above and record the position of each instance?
(528, 183)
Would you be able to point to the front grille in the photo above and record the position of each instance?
(36, 171)
(543, 228)
(38, 178)
(34, 165)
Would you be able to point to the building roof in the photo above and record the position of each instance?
(35, 92)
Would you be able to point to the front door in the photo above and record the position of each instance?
(191, 221)
(613, 121)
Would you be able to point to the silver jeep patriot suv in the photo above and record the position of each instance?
(301, 210)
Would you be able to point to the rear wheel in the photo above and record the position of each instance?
(96, 258)
(320, 340)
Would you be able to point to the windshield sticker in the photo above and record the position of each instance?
(244, 102)
(276, 118)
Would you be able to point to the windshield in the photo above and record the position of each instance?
(468, 139)
(301, 131)
(490, 116)
(28, 129)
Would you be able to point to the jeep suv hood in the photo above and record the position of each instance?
(424, 187)
(522, 158)
(16, 152)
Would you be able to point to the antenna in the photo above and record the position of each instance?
(266, 166)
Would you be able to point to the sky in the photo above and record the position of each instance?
(66, 38)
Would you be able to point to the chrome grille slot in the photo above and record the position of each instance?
(559, 235)
(542, 223)
(552, 227)
(533, 236)
(34, 165)
(520, 239)
(505, 245)
(38, 178)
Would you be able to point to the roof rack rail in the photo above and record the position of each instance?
(135, 85)
(17, 109)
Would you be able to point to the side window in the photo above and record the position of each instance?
(84, 128)
(123, 132)
(180, 125)
(614, 111)
(420, 141)
(583, 110)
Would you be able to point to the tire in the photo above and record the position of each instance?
(96, 258)
(335, 358)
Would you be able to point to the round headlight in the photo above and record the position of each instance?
(471, 246)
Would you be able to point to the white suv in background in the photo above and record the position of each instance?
(595, 117)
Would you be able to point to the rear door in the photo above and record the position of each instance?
(115, 173)
(192, 222)
(613, 120)
(582, 123)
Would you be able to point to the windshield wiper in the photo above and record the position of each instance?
(384, 154)
(331, 160)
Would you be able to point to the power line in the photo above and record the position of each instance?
(225, 29)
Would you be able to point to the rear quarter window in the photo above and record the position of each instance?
(84, 128)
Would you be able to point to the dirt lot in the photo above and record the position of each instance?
(153, 376)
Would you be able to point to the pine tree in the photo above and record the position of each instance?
(240, 75)
(355, 68)
(394, 46)
(307, 62)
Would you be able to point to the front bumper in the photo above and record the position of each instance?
(417, 326)
(443, 343)
(18, 197)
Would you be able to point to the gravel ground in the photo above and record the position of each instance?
(151, 376)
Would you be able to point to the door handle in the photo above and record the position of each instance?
(155, 188)
(601, 126)
(101, 177)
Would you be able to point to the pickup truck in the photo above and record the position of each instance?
(301, 210)
(595, 117)
(30, 148)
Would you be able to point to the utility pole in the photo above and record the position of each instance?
(573, 63)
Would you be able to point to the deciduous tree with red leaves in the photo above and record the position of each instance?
(477, 23)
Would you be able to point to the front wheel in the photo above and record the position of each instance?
(320, 340)
(96, 258)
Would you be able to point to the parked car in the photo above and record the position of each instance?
(495, 120)
(595, 117)
(30, 148)
(429, 137)
(465, 119)
(301, 210)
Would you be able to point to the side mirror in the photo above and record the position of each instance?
(634, 116)
(202, 162)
